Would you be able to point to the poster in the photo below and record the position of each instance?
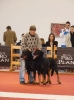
(56, 27)
(65, 57)
(5, 55)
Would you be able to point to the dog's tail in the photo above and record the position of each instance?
(52, 72)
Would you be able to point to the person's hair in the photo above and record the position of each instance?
(72, 26)
(8, 27)
(22, 34)
(33, 28)
(53, 37)
(42, 40)
(67, 22)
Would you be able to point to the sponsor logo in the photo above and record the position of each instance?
(66, 59)
(3, 57)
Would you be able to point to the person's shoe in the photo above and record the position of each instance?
(22, 82)
(31, 82)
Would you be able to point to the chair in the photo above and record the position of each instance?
(55, 54)
(50, 52)
(14, 55)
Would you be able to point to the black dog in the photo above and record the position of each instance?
(27, 55)
(44, 65)
(30, 64)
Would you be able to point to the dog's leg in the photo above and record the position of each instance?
(28, 72)
(58, 79)
(56, 70)
(48, 77)
(44, 82)
(42, 78)
(34, 81)
(39, 79)
(28, 79)
(34, 77)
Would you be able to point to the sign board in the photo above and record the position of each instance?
(65, 57)
(5, 55)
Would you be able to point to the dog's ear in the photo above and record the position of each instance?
(26, 50)
(23, 52)
(42, 53)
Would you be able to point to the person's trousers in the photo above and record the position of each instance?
(22, 71)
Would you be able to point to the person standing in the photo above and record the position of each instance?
(9, 36)
(70, 38)
(63, 33)
(69, 41)
(72, 35)
(30, 41)
(22, 35)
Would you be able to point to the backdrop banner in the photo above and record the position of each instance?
(5, 55)
(65, 57)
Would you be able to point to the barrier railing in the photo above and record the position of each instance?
(14, 55)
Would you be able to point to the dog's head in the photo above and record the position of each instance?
(26, 54)
(38, 54)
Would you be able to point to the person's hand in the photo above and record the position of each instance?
(39, 49)
(29, 49)
(36, 49)
(64, 30)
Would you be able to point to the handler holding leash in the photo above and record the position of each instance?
(30, 41)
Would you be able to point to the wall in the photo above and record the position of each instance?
(20, 14)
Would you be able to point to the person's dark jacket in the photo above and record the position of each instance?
(54, 43)
(9, 37)
(72, 38)
(43, 45)
(19, 43)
